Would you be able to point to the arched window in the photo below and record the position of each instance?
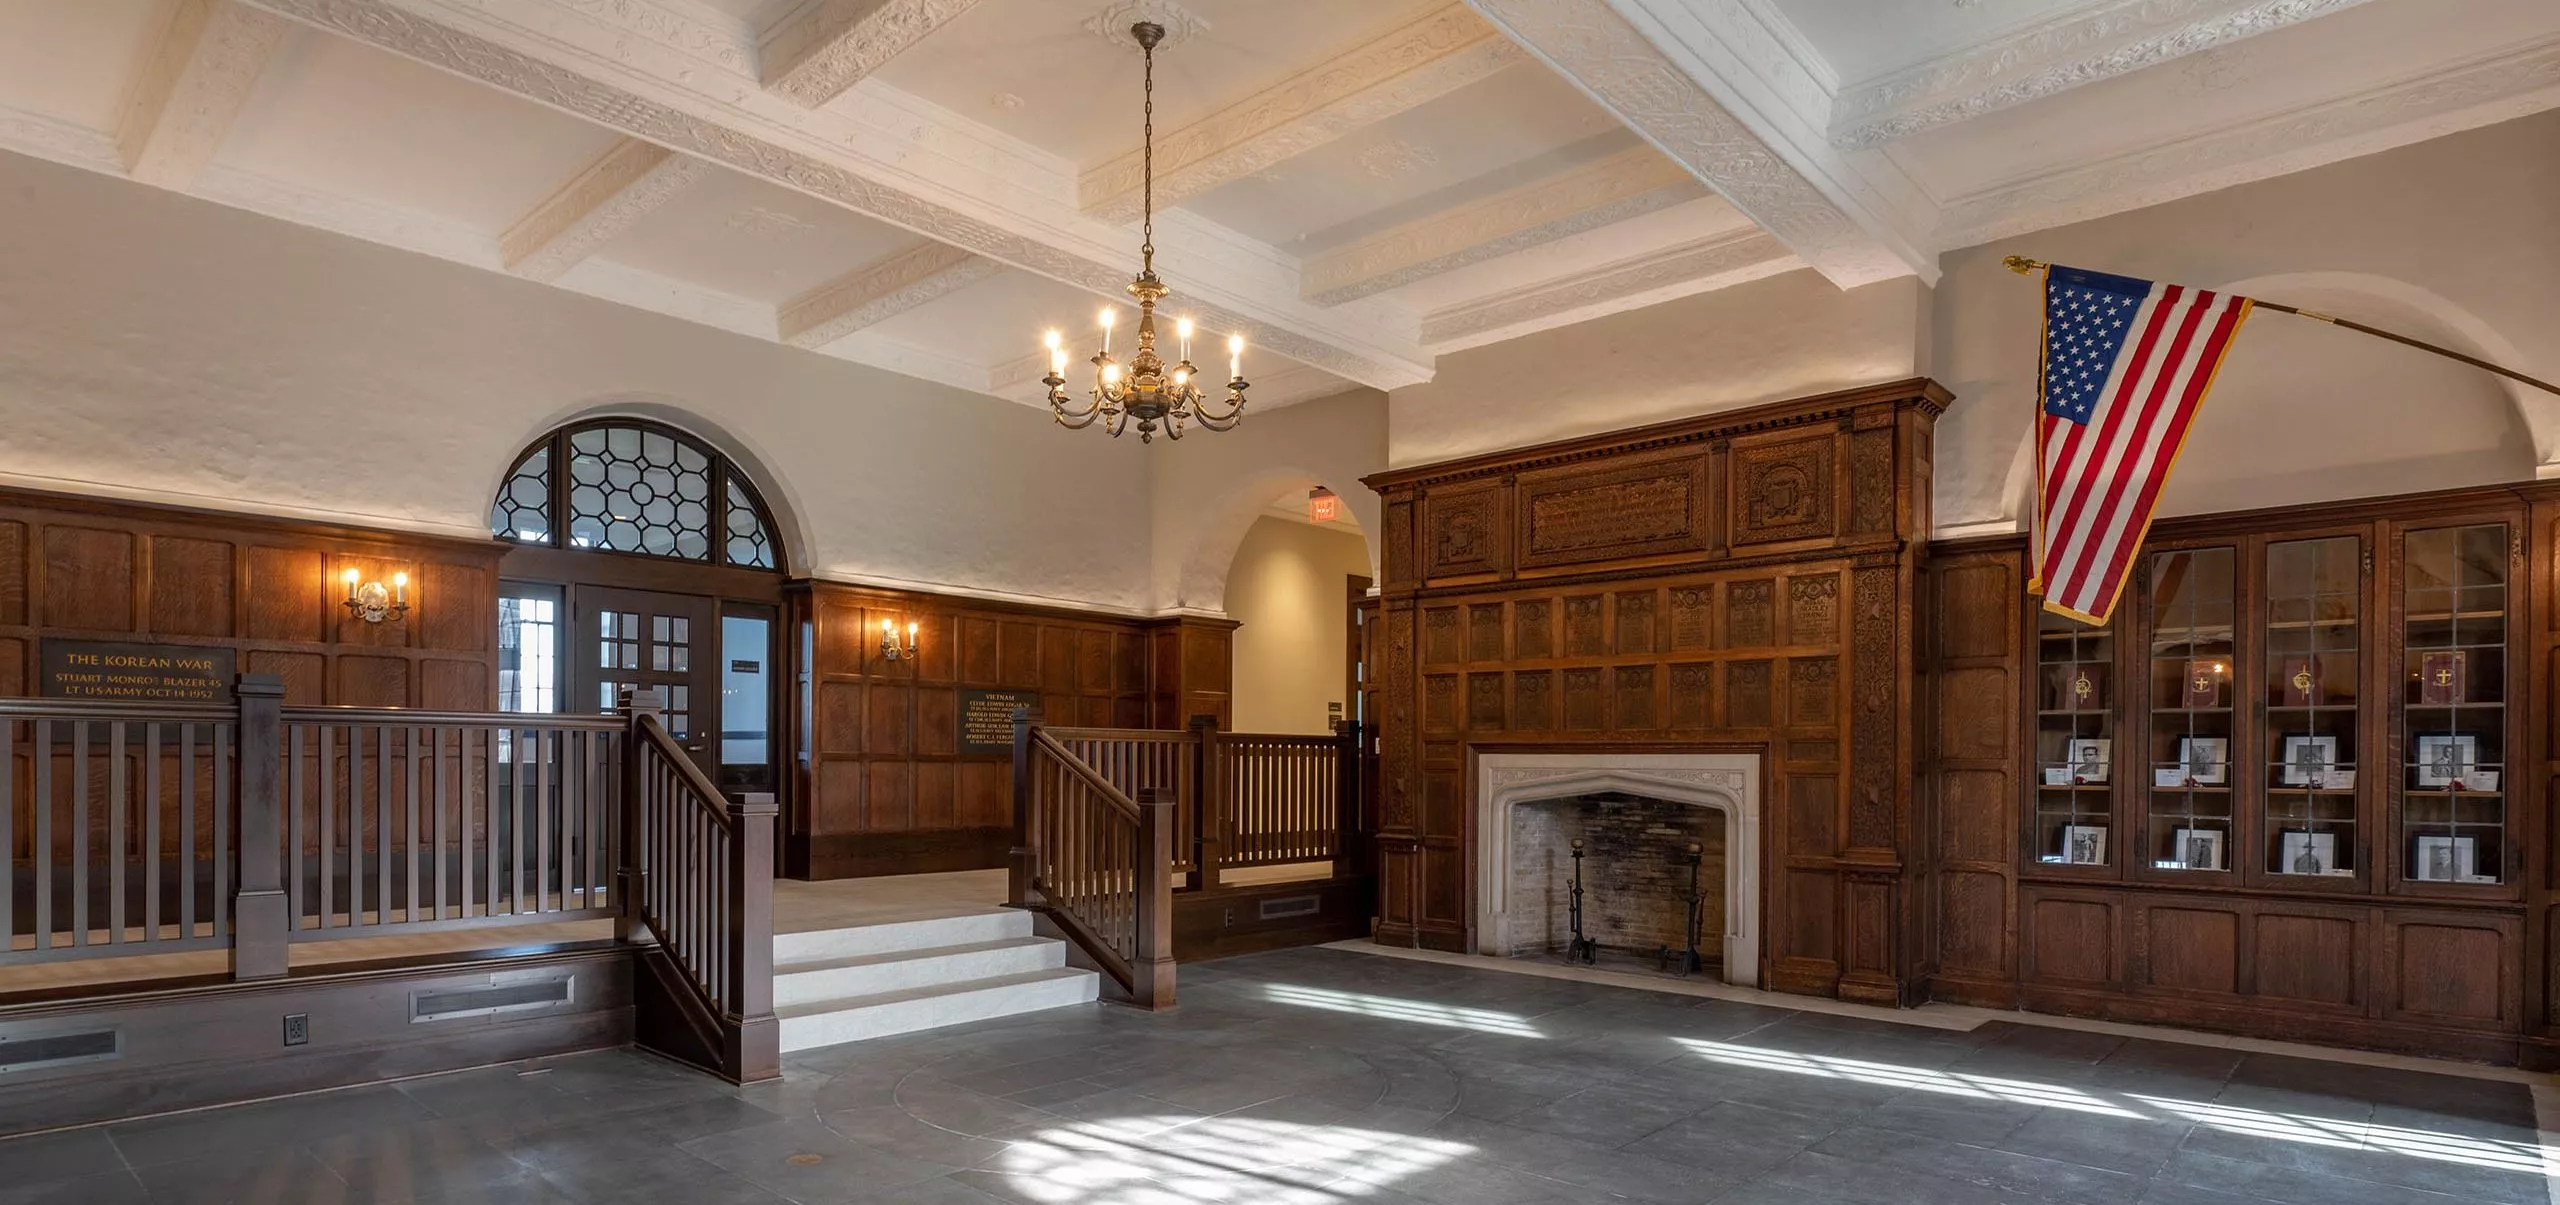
(634, 486)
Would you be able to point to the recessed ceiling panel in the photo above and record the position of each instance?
(73, 62)
(750, 239)
(1495, 134)
(1062, 75)
(1001, 319)
(345, 120)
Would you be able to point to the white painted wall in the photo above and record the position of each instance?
(1287, 593)
(159, 346)
(1210, 488)
(2455, 241)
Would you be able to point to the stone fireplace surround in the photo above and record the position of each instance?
(1728, 782)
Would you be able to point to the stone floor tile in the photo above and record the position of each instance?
(64, 1155)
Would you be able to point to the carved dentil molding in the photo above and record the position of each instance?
(1422, 61)
(1631, 182)
(1593, 45)
(2062, 54)
(870, 295)
(2460, 98)
(616, 191)
(813, 57)
(1692, 267)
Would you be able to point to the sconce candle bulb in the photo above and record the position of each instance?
(371, 601)
(890, 649)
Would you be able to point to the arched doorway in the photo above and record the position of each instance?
(643, 557)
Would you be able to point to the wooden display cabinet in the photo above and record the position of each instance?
(2307, 797)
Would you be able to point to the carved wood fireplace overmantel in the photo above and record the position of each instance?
(1739, 580)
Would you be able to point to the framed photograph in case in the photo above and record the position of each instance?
(2205, 760)
(2446, 860)
(2306, 852)
(2084, 844)
(2197, 849)
(2089, 757)
(2444, 758)
(2309, 760)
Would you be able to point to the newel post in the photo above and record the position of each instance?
(1022, 865)
(758, 1034)
(631, 873)
(261, 919)
(1151, 964)
(1208, 793)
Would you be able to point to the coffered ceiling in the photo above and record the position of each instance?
(1357, 185)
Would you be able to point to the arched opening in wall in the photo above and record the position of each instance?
(1294, 589)
(643, 557)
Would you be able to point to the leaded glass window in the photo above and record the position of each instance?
(634, 487)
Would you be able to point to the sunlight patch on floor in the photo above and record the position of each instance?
(1891, 1075)
(1247, 1161)
(1393, 1008)
(2353, 1135)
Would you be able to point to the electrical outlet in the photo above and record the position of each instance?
(297, 1029)
(1231, 917)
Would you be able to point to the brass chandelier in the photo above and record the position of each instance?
(1156, 394)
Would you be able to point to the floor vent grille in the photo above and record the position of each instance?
(1288, 906)
(444, 1004)
(58, 1049)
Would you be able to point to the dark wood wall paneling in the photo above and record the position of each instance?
(91, 569)
(881, 785)
(1742, 580)
(2466, 977)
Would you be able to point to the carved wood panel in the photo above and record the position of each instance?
(1465, 530)
(1580, 514)
(1785, 488)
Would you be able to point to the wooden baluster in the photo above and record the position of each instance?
(9, 841)
(1022, 861)
(151, 831)
(260, 923)
(225, 827)
(80, 834)
(42, 752)
(382, 824)
(119, 830)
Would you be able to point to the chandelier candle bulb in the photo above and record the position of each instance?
(1183, 329)
(1235, 357)
(1106, 331)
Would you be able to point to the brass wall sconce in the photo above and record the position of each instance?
(890, 649)
(373, 602)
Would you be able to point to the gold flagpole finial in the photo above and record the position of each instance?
(2022, 265)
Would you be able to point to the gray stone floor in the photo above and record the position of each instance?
(1315, 1077)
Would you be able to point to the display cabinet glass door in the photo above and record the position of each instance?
(2453, 771)
(2314, 629)
(2188, 768)
(2075, 738)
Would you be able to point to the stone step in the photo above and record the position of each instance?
(856, 1018)
(855, 941)
(899, 970)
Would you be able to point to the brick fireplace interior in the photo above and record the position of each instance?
(1636, 874)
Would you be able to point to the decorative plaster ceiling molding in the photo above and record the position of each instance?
(1798, 189)
(613, 193)
(2074, 49)
(371, 221)
(1650, 279)
(877, 292)
(1631, 182)
(1445, 50)
(195, 82)
(1112, 24)
(57, 141)
(2412, 110)
(699, 32)
(874, 151)
(814, 54)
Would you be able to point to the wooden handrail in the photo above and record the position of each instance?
(1092, 777)
(402, 717)
(654, 731)
(116, 709)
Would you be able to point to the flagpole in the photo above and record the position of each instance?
(2022, 266)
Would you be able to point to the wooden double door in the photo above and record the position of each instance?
(712, 659)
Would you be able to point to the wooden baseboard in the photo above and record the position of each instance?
(1229, 921)
(221, 1044)
(2502, 1049)
(923, 851)
(1979, 993)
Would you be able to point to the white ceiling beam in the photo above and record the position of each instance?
(2081, 47)
(1724, 93)
(1634, 181)
(606, 199)
(875, 151)
(816, 53)
(1422, 61)
(196, 81)
(1699, 266)
(877, 292)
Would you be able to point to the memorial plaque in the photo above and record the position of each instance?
(986, 719)
(137, 673)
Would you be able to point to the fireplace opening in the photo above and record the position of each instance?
(1636, 879)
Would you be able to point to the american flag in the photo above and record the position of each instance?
(2126, 364)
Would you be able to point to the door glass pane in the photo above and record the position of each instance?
(2314, 606)
(529, 650)
(2454, 676)
(2188, 755)
(745, 686)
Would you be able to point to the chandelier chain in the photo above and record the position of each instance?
(1147, 247)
